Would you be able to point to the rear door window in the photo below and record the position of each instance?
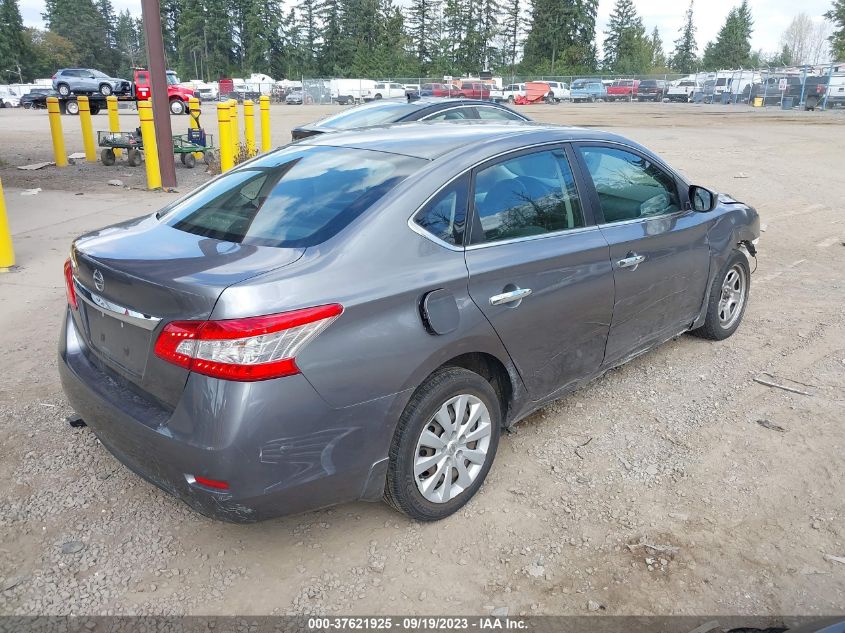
(497, 114)
(298, 197)
(528, 195)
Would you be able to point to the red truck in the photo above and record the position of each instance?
(623, 90)
(177, 94)
(472, 90)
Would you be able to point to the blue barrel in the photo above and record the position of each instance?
(788, 103)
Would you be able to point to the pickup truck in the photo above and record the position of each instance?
(623, 90)
(512, 91)
(590, 92)
(683, 90)
(473, 90)
(651, 90)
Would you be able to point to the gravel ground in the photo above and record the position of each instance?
(673, 485)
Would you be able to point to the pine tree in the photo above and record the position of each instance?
(14, 52)
(333, 53)
(626, 47)
(511, 28)
(129, 42)
(658, 56)
(561, 36)
(837, 38)
(309, 28)
(171, 11)
(685, 57)
(422, 15)
(732, 47)
(82, 23)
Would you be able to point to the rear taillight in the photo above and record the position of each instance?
(69, 288)
(254, 348)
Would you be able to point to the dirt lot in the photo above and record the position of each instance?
(667, 451)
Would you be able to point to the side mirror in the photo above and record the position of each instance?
(702, 199)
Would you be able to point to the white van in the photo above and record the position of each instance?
(347, 91)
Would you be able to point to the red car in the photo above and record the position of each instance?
(473, 90)
(438, 90)
(623, 90)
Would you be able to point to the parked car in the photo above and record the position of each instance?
(37, 98)
(177, 94)
(473, 90)
(334, 321)
(385, 90)
(683, 90)
(88, 81)
(348, 91)
(9, 97)
(294, 97)
(512, 91)
(591, 92)
(412, 91)
(651, 90)
(623, 90)
(387, 111)
(496, 94)
(438, 90)
(558, 91)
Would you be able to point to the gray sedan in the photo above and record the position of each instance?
(358, 315)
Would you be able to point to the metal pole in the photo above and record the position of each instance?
(151, 13)
(827, 88)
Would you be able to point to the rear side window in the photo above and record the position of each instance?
(528, 195)
(497, 114)
(444, 216)
(374, 113)
(298, 197)
(452, 114)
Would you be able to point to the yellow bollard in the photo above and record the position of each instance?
(55, 116)
(264, 102)
(7, 251)
(236, 131)
(148, 135)
(224, 132)
(114, 120)
(194, 119)
(249, 127)
(87, 129)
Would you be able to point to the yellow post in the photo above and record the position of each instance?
(227, 156)
(148, 135)
(87, 129)
(194, 118)
(249, 127)
(114, 120)
(236, 131)
(264, 102)
(55, 116)
(7, 251)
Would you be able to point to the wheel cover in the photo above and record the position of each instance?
(733, 296)
(452, 448)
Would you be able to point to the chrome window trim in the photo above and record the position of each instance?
(662, 216)
(530, 238)
(433, 238)
(119, 312)
(454, 107)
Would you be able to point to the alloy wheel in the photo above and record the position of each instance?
(733, 296)
(452, 448)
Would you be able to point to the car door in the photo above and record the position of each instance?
(658, 246)
(539, 268)
(87, 81)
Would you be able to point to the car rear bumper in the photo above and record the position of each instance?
(278, 445)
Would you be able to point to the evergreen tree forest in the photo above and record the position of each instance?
(211, 39)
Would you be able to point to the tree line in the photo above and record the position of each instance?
(211, 39)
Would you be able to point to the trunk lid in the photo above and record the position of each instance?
(134, 277)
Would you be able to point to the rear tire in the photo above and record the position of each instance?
(107, 157)
(63, 89)
(133, 157)
(189, 160)
(72, 108)
(419, 430)
(728, 299)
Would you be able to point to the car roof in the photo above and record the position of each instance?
(434, 139)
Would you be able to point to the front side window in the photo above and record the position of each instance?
(445, 214)
(298, 197)
(628, 185)
(375, 113)
(528, 195)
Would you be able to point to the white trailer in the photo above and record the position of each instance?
(346, 91)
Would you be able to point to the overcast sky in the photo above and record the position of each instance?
(771, 17)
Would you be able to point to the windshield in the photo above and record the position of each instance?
(298, 197)
(369, 114)
(172, 79)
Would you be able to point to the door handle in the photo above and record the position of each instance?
(632, 261)
(510, 297)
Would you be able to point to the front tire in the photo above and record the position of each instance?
(444, 445)
(177, 107)
(105, 90)
(728, 299)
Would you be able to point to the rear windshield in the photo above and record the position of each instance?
(368, 114)
(298, 197)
